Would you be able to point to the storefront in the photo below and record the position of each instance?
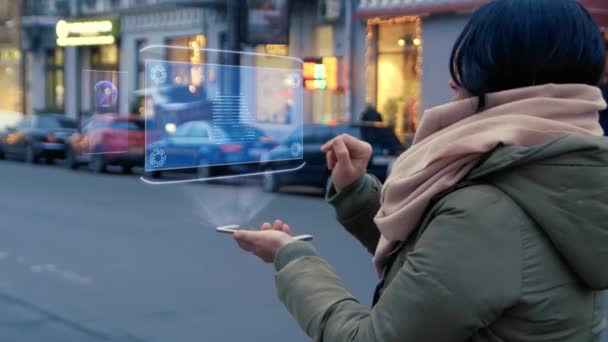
(314, 36)
(407, 45)
(84, 46)
(10, 78)
(393, 69)
(322, 78)
(10, 57)
(172, 30)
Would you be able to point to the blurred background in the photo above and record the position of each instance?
(90, 253)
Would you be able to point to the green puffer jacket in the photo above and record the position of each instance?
(518, 251)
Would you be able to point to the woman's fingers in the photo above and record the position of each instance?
(286, 229)
(266, 226)
(278, 224)
(331, 159)
(354, 145)
(342, 153)
(327, 146)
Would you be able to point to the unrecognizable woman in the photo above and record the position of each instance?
(493, 226)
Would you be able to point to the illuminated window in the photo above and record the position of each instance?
(104, 57)
(55, 92)
(189, 53)
(394, 69)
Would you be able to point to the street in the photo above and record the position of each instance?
(86, 257)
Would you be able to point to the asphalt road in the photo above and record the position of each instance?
(87, 257)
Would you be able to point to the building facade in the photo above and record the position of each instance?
(44, 61)
(319, 33)
(404, 48)
(391, 54)
(71, 43)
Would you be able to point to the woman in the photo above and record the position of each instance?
(493, 225)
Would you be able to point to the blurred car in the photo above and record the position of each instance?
(9, 119)
(192, 146)
(35, 137)
(108, 139)
(385, 144)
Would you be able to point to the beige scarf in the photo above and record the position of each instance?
(452, 139)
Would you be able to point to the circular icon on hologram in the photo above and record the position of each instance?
(158, 74)
(296, 150)
(158, 158)
(106, 94)
(293, 80)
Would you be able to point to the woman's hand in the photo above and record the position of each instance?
(267, 242)
(347, 158)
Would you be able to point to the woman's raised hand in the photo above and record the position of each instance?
(347, 158)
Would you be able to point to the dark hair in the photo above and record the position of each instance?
(510, 44)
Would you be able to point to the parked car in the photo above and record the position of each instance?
(7, 120)
(108, 139)
(192, 146)
(36, 137)
(385, 144)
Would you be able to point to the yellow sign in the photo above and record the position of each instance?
(90, 32)
(331, 67)
(9, 55)
(277, 49)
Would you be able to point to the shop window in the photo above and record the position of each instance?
(189, 54)
(104, 57)
(397, 60)
(10, 79)
(55, 91)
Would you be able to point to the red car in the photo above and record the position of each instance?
(108, 139)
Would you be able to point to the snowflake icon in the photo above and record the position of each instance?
(158, 74)
(158, 158)
(296, 150)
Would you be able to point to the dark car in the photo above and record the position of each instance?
(386, 147)
(192, 145)
(108, 139)
(36, 137)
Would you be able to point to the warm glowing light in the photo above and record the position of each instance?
(320, 71)
(401, 42)
(9, 55)
(315, 84)
(170, 128)
(331, 72)
(308, 70)
(417, 41)
(192, 88)
(12, 138)
(80, 41)
(277, 49)
(84, 33)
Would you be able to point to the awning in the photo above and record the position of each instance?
(389, 8)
